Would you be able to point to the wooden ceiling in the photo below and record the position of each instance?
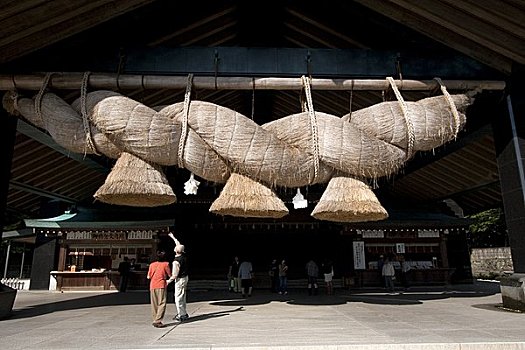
(84, 35)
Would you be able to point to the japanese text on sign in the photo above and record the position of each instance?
(359, 255)
(78, 235)
(140, 235)
(372, 233)
(428, 233)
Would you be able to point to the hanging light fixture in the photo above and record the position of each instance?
(299, 201)
(191, 186)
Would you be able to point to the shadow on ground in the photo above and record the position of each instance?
(202, 317)
(412, 296)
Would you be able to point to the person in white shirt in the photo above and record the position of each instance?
(245, 275)
(180, 277)
(388, 274)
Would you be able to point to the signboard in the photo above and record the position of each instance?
(372, 233)
(140, 235)
(359, 255)
(400, 248)
(78, 235)
(103, 236)
(428, 233)
(110, 235)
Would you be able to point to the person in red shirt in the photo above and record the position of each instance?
(158, 272)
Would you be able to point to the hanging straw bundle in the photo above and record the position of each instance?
(348, 200)
(432, 119)
(294, 151)
(135, 182)
(242, 196)
(342, 147)
(373, 143)
(278, 153)
(135, 128)
(62, 121)
(198, 157)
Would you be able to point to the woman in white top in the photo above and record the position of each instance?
(388, 273)
(328, 273)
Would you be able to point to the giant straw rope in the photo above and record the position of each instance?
(370, 143)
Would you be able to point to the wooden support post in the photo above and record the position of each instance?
(8, 135)
(509, 135)
(62, 256)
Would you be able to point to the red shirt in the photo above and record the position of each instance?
(158, 273)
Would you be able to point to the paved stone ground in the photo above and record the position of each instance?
(456, 317)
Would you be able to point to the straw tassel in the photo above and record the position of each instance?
(137, 183)
(244, 197)
(348, 200)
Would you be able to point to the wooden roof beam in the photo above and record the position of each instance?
(41, 192)
(59, 24)
(72, 81)
(40, 136)
(445, 36)
(468, 26)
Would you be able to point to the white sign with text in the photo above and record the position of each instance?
(428, 233)
(359, 255)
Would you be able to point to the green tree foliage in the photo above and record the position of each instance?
(488, 229)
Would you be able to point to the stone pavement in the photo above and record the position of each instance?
(454, 317)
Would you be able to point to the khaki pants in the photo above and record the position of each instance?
(181, 285)
(236, 284)
(158, 303)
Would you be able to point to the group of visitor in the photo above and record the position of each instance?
(312, 273)
(388, 273)
(240, 276)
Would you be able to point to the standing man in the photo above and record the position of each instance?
(124, 269)
(246, 276)
(233, 275)
(405, 272)
(312, 272)
(380, 263)
(180, 276)
(283, 277)
(273, 272)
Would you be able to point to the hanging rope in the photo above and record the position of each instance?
(216, 65)
(142, 89)
(184, 131)
(39, 96)
(351, 100)
(398, 68)
(83, 110)
(408, 121)
(302, 100)
(14, 97)
(253, 97)
(313, 123)
(121, 61)
(453, 109)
